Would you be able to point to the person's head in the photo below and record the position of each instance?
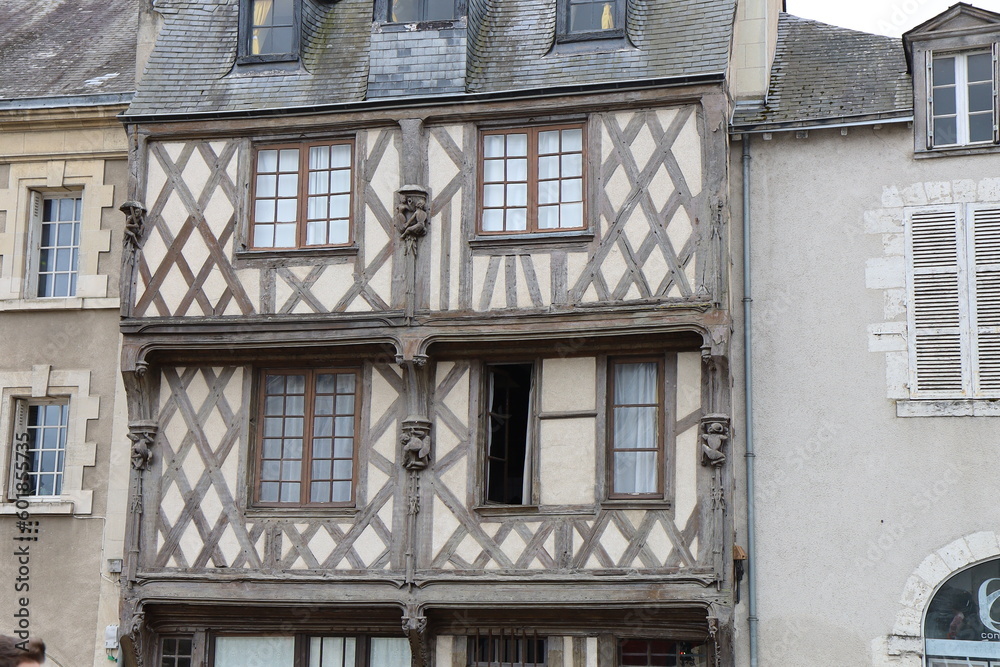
(17, 653)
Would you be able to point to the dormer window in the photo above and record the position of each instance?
(418, 11)
(963, 99)
(270, 31)
(590, 19)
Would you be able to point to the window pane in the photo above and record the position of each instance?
(635, 472)
(288, 159)
(981, 127)
(340, 156)
(339, 231)
(404, 11)
(572, 190)
(980, 67)
(254, 651)
(288, 185)
(284, 236)
(944, 131)
(548, 167)
(267, 186)
(517, 194)
(944, 101)
(944, 71)
(390, 652)
(981, 97)
(548, 141)
(267, 161)
(635, 383)
(635, 427)
(517, 219)
(331, 651)
(439, 10)
(517, 145)
(548, 217)
(517, 170)
(493, 220)
(572, 165)
(286, 210)
(493, 195)
(493, 171)
(572, 140)
(493, 145)
(263, 236)
(548, 192)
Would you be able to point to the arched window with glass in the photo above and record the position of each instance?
(962, 625)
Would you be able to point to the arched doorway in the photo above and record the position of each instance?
(962, 623)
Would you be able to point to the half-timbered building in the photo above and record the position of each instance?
(426, 322)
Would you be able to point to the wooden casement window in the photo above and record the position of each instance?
(38, 452)
(269, 30)
(661, 653)
(579, 20)
(532, 180)
(509, 648)
(302, 195)
(57, 221)
(953, 296)
(307, 437)
(635, 421)
(417, 11)
(963, 98)
(306, 651)
(176, 651)
(509, 433)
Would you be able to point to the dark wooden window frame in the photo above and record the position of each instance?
(532, 179)
(510, 636)
(531, 457)
(245, 55)
(649, 640)
(302, 196)
(176, 653)
(383, 8)
(661, 420)
(562, 25)
(302, 639)
(310, 395)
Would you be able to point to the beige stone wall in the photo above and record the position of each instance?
(850, 490)
(65, 349)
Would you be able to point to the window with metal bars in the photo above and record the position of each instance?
(953, 297)
(176, 652)
(661, 653)
(507, 648)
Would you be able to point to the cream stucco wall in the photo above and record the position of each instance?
(851, 499)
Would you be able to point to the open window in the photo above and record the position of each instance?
(510, 426)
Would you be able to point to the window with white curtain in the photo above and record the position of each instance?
(317, 651)
(636, 433)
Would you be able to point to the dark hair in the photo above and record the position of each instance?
(12, 655)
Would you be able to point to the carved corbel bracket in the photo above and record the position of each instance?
(132, 637)
(415, 629)
(714, 433)
(135, 224)
(416, 441)
(412, 217)
(142, 434)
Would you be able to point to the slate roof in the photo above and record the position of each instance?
(513, 44)
(824, 73)
(192, 67)
(67, 47)
(510, 45)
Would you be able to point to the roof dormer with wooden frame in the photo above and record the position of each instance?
(953, 58)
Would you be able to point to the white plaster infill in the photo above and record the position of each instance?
(887, 273)
(904, 646)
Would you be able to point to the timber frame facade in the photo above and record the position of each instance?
(237, 530)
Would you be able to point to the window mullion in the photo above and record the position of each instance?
(533, 180)
(962, 98)
(996, 78)
(305, 477)
(967, 301)
(302, 205)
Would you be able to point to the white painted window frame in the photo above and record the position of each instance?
(961, 96)
(37, 203)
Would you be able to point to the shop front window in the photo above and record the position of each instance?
(962, 626)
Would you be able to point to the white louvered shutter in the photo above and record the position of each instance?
(984, 292)
(18, 435)
(938, 296)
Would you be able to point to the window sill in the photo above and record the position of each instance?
(416, 26)
(60, 303)
(534, 510)
(308, 513)
(548, 239)
(636, 504)
(39, 506)
(266, 258)
(951, 151)
(964, 407)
